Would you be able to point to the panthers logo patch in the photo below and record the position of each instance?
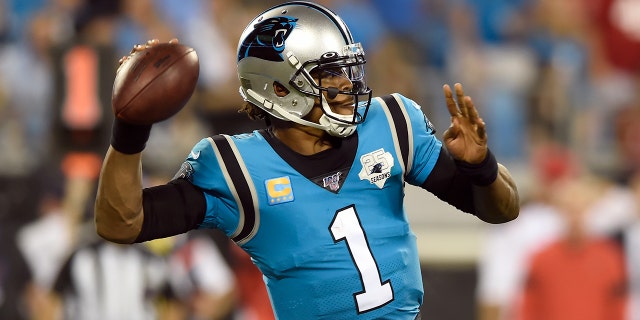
(267, 39)
(376, 167)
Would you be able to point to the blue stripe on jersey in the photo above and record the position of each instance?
(327, 255)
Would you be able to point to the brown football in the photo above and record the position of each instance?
(154, 84)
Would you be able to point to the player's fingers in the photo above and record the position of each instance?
(452, 106)
(461, 100)
(174, 40)
(123, 60)
(482, 131)
(152, 42)
(474, 117)
(139, 47)
(471, 109)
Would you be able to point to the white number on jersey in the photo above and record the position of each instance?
(346, 226)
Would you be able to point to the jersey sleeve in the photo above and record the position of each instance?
(424, 146)
(203, 169)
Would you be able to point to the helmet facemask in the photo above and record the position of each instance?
(349, 65)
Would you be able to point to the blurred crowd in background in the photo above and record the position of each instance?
(557, 82)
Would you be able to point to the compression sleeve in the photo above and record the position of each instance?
(447, 183)
(171, 209)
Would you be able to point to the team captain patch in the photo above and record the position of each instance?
(376, 167)
(279, 190)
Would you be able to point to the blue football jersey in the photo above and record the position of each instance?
(335, 246)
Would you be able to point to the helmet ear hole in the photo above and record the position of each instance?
(279, 89)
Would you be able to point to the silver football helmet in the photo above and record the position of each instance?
(289, 43)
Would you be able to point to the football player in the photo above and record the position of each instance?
(316, 198)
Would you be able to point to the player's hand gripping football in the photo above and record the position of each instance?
(153, 83)
(466, 137)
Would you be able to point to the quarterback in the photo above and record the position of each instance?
(315, 198)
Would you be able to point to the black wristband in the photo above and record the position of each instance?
(129, 138)
(481, 174)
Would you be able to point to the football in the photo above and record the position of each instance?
(154, 84)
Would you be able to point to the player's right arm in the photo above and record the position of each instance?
(118, 208)
(127, 213)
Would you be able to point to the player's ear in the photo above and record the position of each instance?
(279, 89)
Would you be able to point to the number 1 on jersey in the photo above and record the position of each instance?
(346, 226)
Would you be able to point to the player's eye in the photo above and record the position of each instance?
(334, 72)
(329, 73)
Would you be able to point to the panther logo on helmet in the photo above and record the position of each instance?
(266, 41)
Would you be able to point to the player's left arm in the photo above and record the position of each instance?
(498, 202)
(494, 192)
